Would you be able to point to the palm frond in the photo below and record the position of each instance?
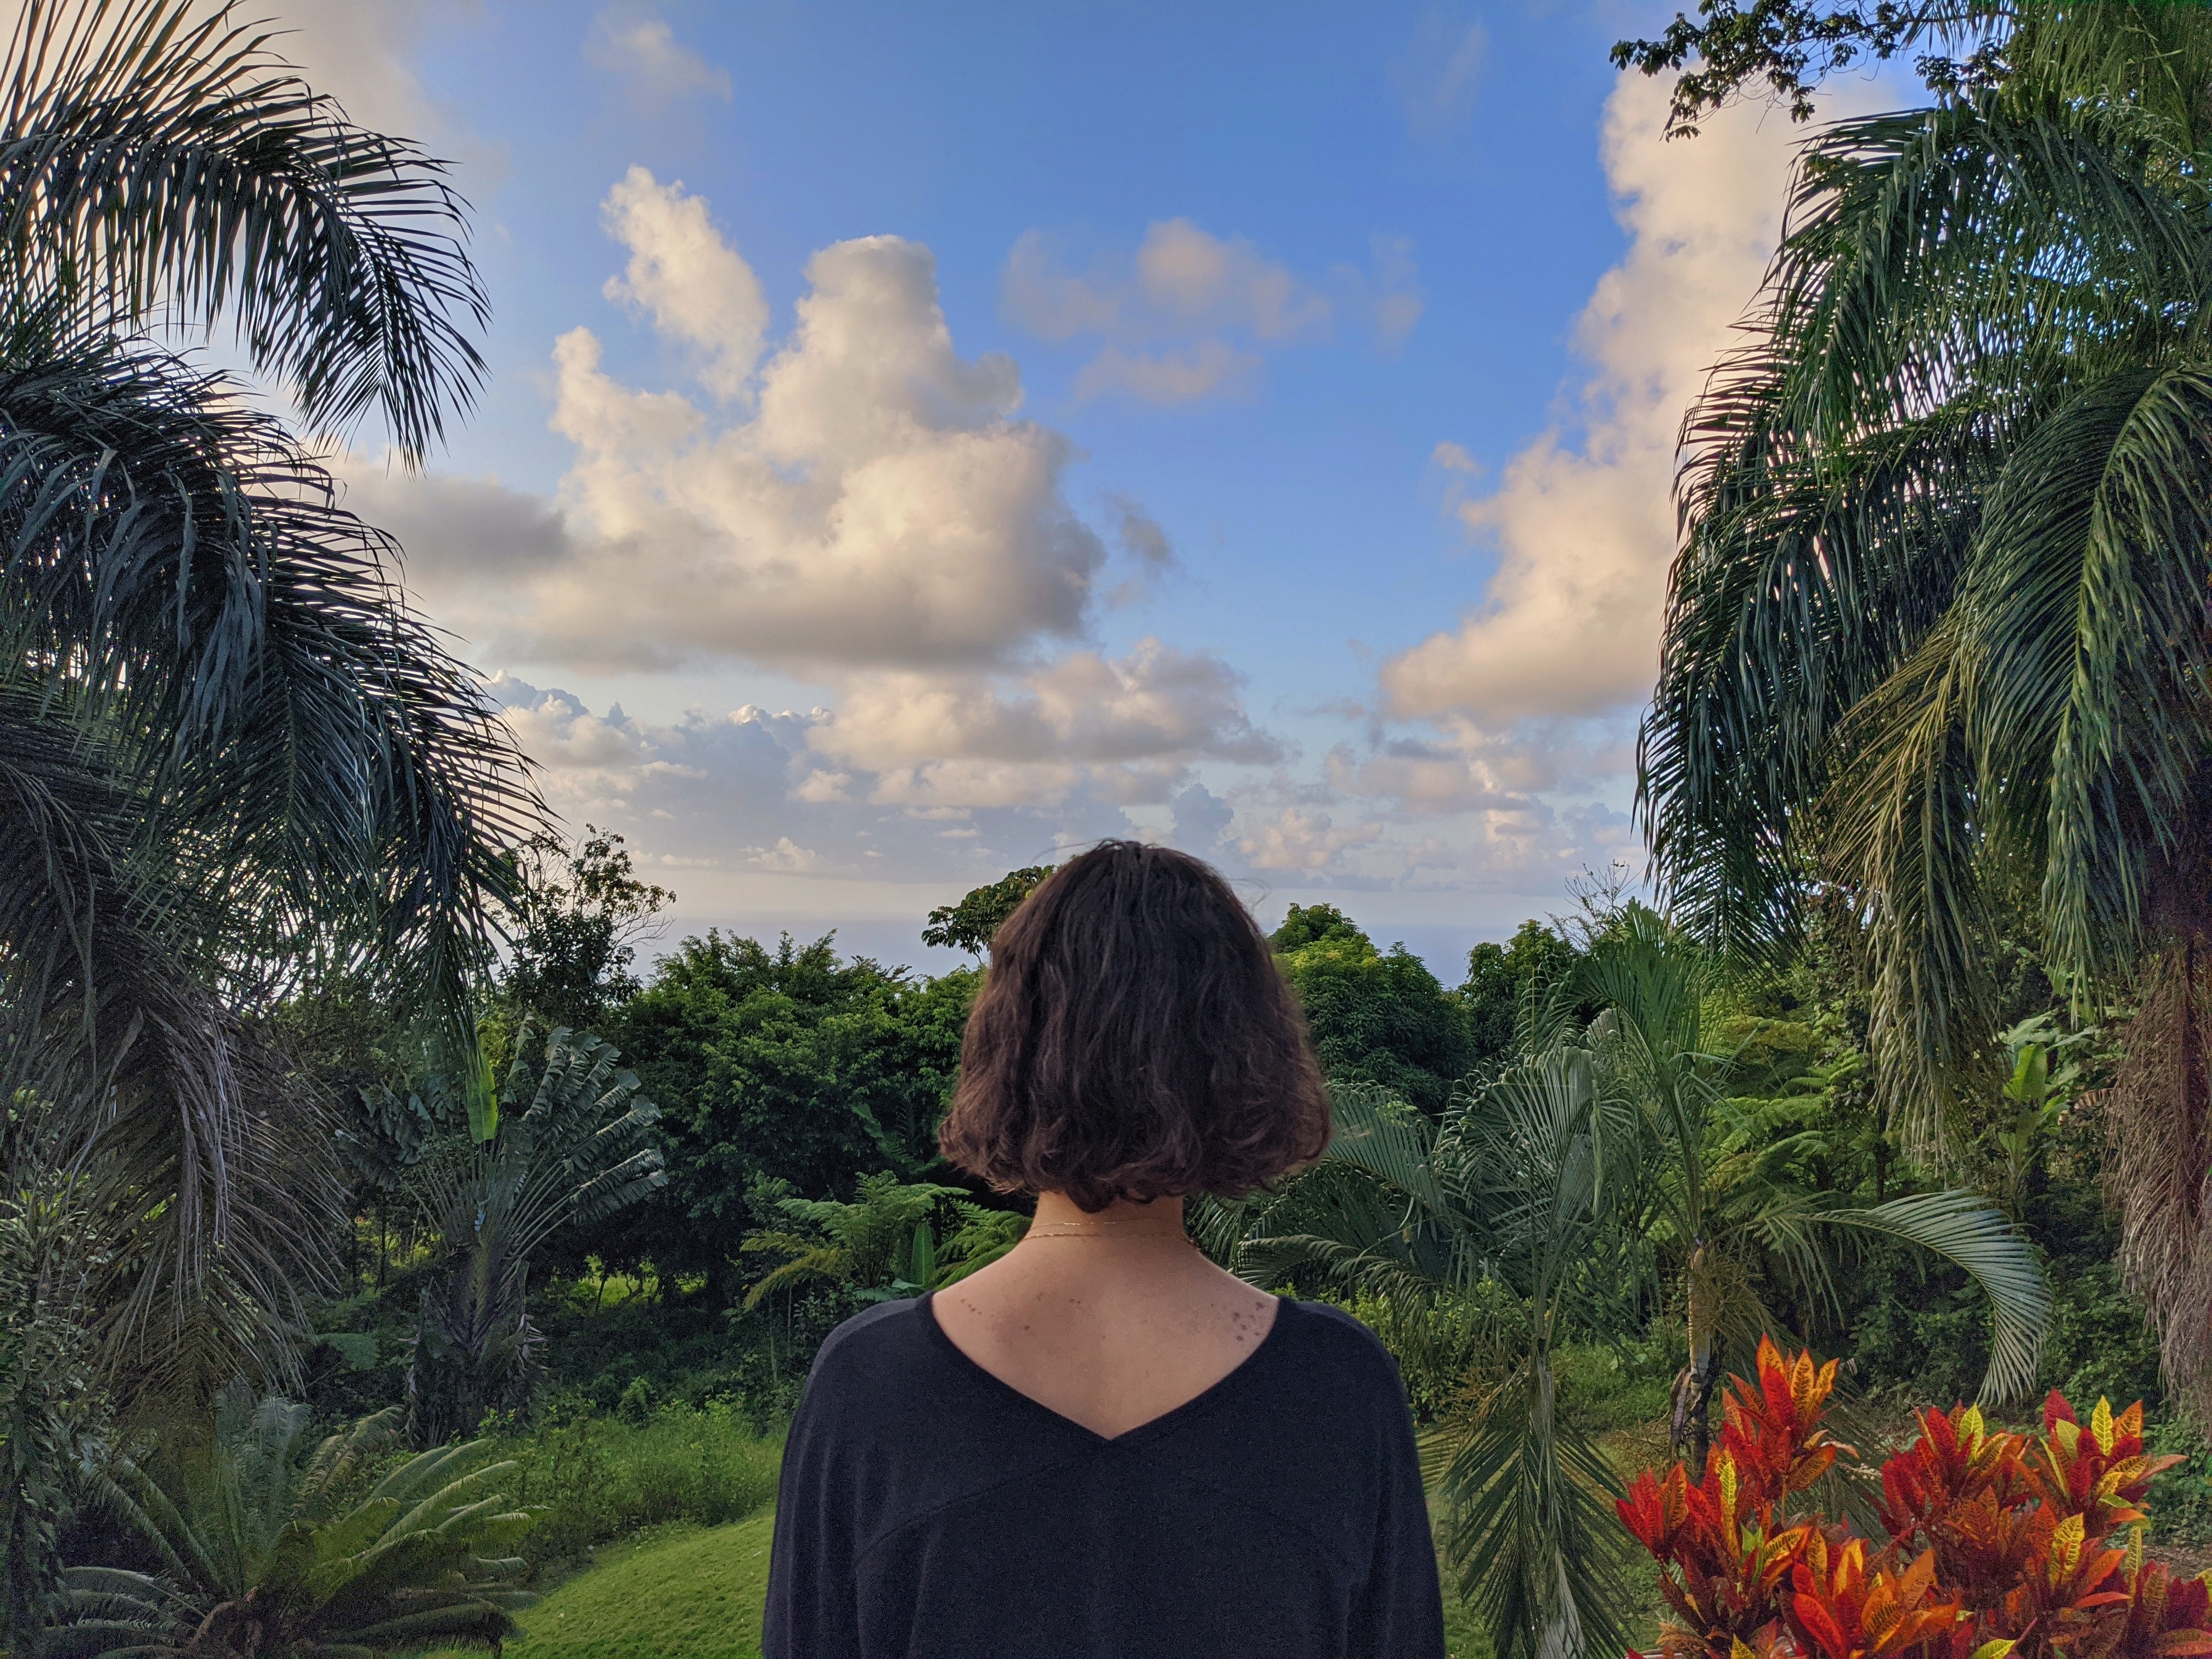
(1968, 1231)
(1533, 1534)
(157, 162)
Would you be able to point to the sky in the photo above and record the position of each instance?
(923, 440)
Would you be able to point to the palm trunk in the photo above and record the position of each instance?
(1692, 1424)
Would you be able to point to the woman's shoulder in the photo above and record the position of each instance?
(1325, 1335)
(890, 1337)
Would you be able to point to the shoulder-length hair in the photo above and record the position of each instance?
(1134, 1039)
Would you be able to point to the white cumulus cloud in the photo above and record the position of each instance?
(873, 501)
(1583, 518)
(1157, 703)
(1303, 840)
(861, 505)
(693, 285)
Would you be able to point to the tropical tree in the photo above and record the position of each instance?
(1937, 633)
(778, 1062)
(1376, 1017)
(969, 925)
(268, 1548)
(1733, 1223)
(582, 912)
(230, 757)
(573, 1144)
(1551, 1180)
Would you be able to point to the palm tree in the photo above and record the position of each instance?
(573, 1146)
(1938, 639)
(230, 756)
(267, 1547)
(1548, 1181)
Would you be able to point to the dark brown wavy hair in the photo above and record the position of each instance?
(1134, 1039)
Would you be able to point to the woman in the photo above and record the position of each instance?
(1101, 1446)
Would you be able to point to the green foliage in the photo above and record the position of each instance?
(593, 1480)
(50, 1405)
(231, 757)
(2037, 1089)
(1563, 1200)
(2182, 1495)
(1315, 924)
(868, 1244)
(1502, 979)
(572, 1147)
(790, 1065)
(1789, 47)
(1934, 644)
(1375, 1017)
(882, 1244)
(687, 1347)
(970, 925)
(583, 910)
(324, 1555)
(156, 166)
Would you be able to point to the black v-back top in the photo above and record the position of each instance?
(928, 1511)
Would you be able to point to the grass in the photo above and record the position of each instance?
(597, 1480)
(685, 1594)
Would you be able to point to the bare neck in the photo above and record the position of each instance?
(1121, 1224)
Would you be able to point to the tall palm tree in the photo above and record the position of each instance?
(1937, 634)
(229, 754)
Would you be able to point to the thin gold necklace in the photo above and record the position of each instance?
(1094, 1230)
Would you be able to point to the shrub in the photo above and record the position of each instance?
(1997, 1545)
(599, 1479)
(348, 1550)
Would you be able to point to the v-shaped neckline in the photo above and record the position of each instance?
(927, 1313)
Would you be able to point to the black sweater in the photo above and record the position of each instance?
(927, 1510)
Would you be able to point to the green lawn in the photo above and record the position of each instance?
(698, 1595)
(692, 1595)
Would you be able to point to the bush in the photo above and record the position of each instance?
(2183, 1495)
(1439, 1346)
(2100, 1345)
(1999, 1545)
(1603, 1389)
(600, 1479)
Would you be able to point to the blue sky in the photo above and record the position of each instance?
(921, 440)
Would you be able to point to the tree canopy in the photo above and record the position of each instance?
(969, 925)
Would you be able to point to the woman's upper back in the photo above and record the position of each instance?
(1111, 1319)
(930, 1510)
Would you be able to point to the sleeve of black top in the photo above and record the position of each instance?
(1402, 1614)
(813, 1604)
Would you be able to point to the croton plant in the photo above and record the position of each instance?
(1998, 1546)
